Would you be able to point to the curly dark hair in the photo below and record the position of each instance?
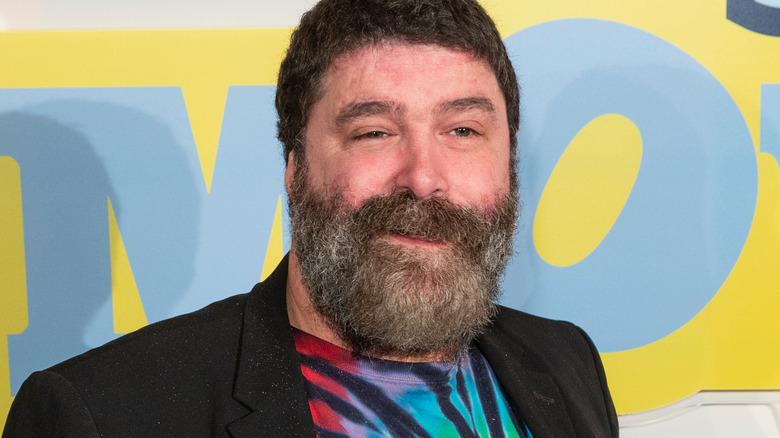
(336, 27)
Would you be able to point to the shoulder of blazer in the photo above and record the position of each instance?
(552, 372)
(172, 376)
(230, 365)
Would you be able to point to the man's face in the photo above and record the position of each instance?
(403, 211)
(409, 117)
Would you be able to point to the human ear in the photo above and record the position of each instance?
(289, 172)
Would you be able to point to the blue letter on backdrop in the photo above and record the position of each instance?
(76, 148)
(691, 207)
(755, 16)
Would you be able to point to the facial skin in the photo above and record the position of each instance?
(399, 117)
(389, 119)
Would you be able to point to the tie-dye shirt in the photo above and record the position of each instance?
(357, 396)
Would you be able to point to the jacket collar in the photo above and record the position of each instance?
(268, 378)
(532, 392)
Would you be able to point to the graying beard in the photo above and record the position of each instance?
(329, 256)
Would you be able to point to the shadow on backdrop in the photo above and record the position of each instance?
(74, 156)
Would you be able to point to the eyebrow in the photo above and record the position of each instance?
(467, 103)
(367, 108)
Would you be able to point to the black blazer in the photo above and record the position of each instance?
(231, 370)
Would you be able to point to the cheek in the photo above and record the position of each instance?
(484, 184)
(480, 180)
(502, 171)
(356, 179)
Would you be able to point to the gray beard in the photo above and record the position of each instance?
(388, 300)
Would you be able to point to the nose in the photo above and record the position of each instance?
(424, 168)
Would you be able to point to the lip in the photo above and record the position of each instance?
(418, 242)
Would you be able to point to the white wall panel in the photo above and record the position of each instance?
(710, 414)
(101, 14)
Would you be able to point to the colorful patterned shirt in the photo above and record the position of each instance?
(357, 396)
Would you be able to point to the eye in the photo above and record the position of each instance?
(462, 132)
(372, 135)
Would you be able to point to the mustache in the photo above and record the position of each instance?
(433, 219)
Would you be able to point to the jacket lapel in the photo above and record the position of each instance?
(268, 379)
(532, 392)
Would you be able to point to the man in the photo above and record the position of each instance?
(398, 120)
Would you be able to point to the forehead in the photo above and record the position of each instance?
(390, 66)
